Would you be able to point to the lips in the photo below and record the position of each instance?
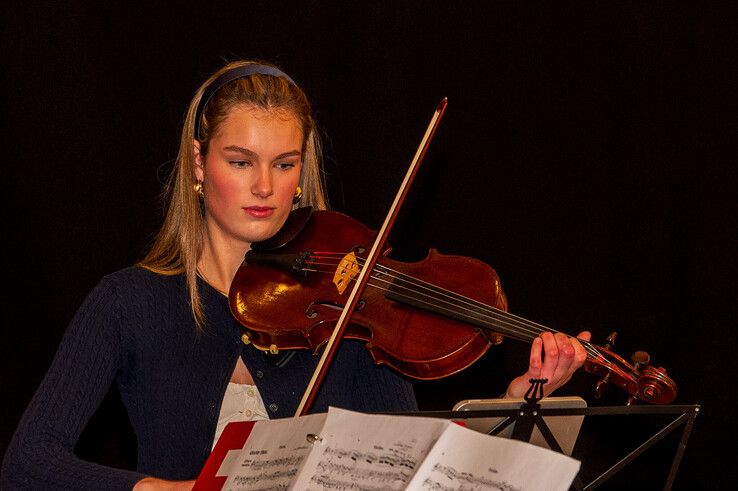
(259, 211)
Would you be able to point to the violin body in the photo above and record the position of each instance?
(280, 309)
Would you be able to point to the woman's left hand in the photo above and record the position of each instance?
(563, 356)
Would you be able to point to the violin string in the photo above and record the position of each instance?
(514, 325)
(498, 318)
(505, 322)
(517, 325)
(499, 323)
(410, 281)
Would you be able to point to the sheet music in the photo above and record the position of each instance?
(272, 455)
(463, 459)
(368, 452)
(346, 450)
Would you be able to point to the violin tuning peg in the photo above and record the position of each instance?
(640, 359)
(599, 389)
(610, 340)
(601, 385)
(631, 400)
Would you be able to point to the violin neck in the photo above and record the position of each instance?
(464, 309)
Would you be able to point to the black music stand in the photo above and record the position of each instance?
(530, 415)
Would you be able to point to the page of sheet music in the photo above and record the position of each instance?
(469, 460)
(368, 451)
(273, 453)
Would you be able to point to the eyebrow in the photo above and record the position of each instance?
(249, 153)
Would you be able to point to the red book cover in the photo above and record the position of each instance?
(234, 437)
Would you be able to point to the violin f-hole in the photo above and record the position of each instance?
(311, 313)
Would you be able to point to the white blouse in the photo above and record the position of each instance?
(241, 402)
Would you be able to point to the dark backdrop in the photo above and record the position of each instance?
(583, 155)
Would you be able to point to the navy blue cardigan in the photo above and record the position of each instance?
(136, 329)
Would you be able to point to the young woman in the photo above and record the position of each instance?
(162, 330)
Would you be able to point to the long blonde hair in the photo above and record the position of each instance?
(177, 247)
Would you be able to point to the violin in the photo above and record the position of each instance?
(427, 320)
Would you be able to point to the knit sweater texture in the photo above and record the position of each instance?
(135, 329)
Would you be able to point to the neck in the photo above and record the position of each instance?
(219, 262)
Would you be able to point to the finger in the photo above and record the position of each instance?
(580, 353)
(563, 369)
(550, 357)
(535, 361)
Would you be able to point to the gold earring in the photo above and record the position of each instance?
(198, 189)
(298, 195)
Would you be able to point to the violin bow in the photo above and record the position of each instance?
(332, 344)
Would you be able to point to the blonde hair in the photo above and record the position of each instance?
(177, 247)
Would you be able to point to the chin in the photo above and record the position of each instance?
(252, 235)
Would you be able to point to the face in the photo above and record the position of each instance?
(250, 174)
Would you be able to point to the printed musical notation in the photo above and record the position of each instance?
(370, 453)
(394, 457)
(467, 460)
(465, 481)
(345, 450)
(272, 455)
(291, 462)
(342, 468)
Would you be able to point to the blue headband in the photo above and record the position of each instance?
(230, 76)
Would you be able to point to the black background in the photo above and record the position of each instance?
(583, 154)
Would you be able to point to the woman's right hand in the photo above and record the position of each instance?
(154, 484)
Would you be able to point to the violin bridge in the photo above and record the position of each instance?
(346, 271)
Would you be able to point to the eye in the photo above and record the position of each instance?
(239, 164)
(285, 165)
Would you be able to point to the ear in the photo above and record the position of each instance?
(199, 162)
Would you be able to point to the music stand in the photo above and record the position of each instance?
(565, 429)
(531, 414)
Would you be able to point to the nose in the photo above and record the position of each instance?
(262, 186)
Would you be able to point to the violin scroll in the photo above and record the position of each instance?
(638, 379)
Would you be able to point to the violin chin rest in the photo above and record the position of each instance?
(296, 221)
